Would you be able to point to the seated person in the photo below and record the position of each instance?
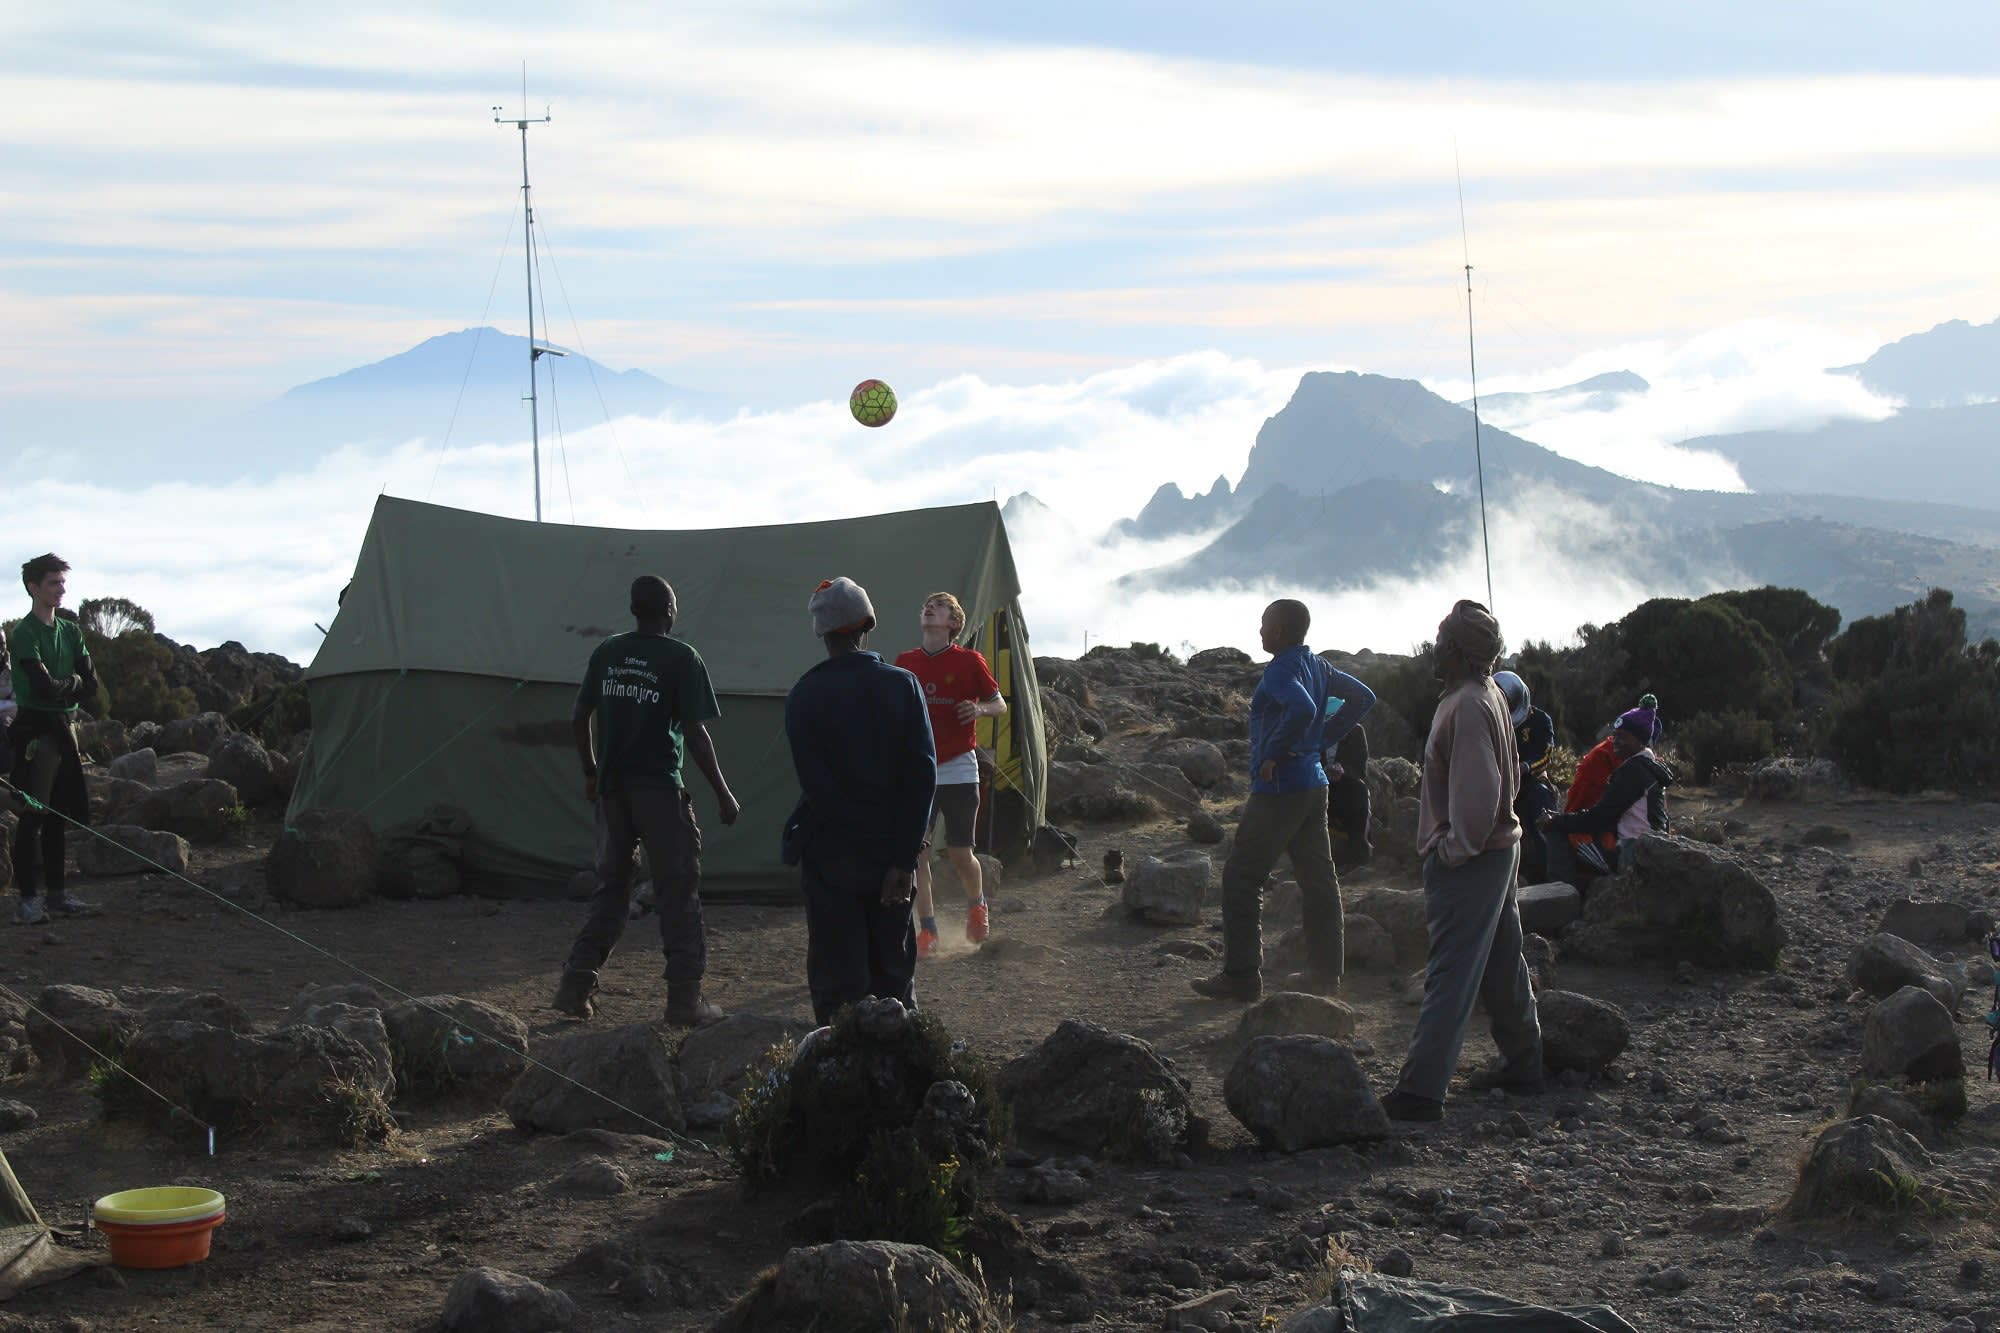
(1344, 751)
(1583, 843)
(1535, 739)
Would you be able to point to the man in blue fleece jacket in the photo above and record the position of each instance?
(1286, 815)
(867, 766)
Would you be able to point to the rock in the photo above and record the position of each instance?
(1789, 779)
(1884, 964)
(593, 1178)
(1861, 1163)
(200, 809)
(1547, 908)
(16, 1116)
(95, 1017)
(492, 1300)
(628, 1065)
(1200, 762)
(1367, 944)
(1210, 1311)
(1396, 1263)
(1898, 1108)
(1218, 658)
(1681, 899)
(359, 994)
(1096, 1089)
(240, 761)
(422, 857)
(1292, 1013)
(317, 1079)
(112, 799)
(1910, 1035)
(361, 1025)
(1105, 793)
(164, 1004)
(142, 766)
(718, 1058)
(197, 734)
(446, 1043)
(1401, 913)
(1940, 923)
(325, 858)
(1302, 1092)
(1066, 721)
(1579, 1032)
(856, 1284)
(1168, 891)
(350, 1230)
(124, 849)
(1205, 828)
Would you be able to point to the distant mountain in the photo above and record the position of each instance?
(1599, 393)
(1945, 455)
(1947, 366)
(1361, 479)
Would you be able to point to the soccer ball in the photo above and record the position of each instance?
(872, 403)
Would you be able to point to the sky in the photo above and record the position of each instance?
(1039, 221)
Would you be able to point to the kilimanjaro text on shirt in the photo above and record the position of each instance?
(633, 680)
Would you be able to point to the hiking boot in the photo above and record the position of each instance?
(65, 904)
(573, 994)
(927, 942)
(1514, 1085)
(1400, 1105)
(31, 913)
(1230, 986)
(686, 1008)
(975, 922)
(1313, 981)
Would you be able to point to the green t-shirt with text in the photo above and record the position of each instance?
(644, 688)
(59, 647)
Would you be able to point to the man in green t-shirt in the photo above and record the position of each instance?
(649, 696)
(52, 672)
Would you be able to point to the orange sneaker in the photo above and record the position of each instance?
(926, 943)
(975, 922)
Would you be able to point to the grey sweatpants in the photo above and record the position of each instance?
(1277, 824)
(1475, 930)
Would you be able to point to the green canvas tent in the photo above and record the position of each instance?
(448, 676)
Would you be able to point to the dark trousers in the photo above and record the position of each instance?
(1276, 824)
(1475, 932)
(856, 947)
(39, 843)
(661, 818)
(1347, 815)
(1536, 796)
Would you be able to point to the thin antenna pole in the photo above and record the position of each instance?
(1472, 360)
(528, 249)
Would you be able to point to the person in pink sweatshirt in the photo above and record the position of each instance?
(1470, 842)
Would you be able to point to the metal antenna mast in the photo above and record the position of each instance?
(535, 350)
(1472, 359)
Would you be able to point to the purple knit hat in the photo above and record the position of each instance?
(1641, 722)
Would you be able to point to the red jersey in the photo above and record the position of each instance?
(953, 675)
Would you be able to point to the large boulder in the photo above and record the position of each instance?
(1864, 1163)
(1678, 899)
(359, 994)
(141, 766)
(1936, 923)
(361, 1025)
(1579, 1032)
(1302, 1092)
(1066, 720)
(1401, 913)
(423, 857)
(197, 734)
(1293, 1013)
(325, 858)
(445, 1043)
(1200, 762)
(315, 1080)
(621, 1079)
(165, 1004)
(861, 1284)
(1911, 1035)
(492, 1300)
(240, 761)
(126, 849)
(67, 1021)
(1883, 964)
(199, 809)
(715, 1060)
(1104, 793)
(1096, 1089)
(1170, 890)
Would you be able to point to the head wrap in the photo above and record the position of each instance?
(840, 606)
(1472, 630)
(1516, 691)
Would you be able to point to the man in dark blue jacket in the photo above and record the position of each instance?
(862, 748)
(1286, 815)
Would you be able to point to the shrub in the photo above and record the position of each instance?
(1916, 706)
(131, 664)
(1716, 740)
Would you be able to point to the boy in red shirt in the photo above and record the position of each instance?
(959, 689)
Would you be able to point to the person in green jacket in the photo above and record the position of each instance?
(52, 674)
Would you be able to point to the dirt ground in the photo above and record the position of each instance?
(1595, 1189)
